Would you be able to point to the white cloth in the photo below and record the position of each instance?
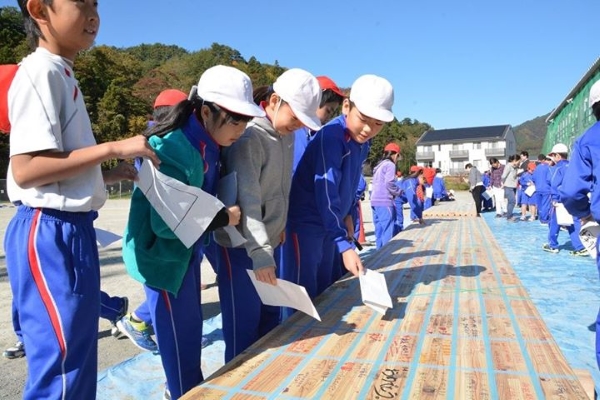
(47, 112)
(499, 200)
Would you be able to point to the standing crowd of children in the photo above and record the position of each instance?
(295, 204)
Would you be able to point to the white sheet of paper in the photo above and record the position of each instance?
(374, 291)
(285, 294)
(429, 192)
(187, 210)
(105, 238)
(227, 193)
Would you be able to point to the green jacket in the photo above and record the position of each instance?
(152, 253)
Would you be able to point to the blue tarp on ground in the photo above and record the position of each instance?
(142, 376)
(564, 289)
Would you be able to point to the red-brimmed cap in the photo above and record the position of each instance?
(169, 97)
(326, 83)
(392, 147)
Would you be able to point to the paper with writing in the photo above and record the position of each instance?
(374, 291)
(285, 294)
(186, 210)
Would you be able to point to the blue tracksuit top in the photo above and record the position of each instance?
(410, 191)
(524, 179)
(325, 182)
(556, 178)
(540, 178)
(439, 187)
(302, 137)
(582, 176)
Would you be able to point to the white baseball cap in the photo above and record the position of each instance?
(302, 92)
(229, 88)
(374, 97)
(559, 148)
(594, 94)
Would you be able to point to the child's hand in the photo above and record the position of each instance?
(123, 171)
(282, 237)
(352, 262)
(136, 146)
(266, 275)
(234, 213)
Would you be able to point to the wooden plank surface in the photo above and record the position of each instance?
(457, 208)
(462, 327)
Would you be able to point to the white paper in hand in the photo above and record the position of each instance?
(105, 238)
(285, 294)
(186, 210)
(374, 291)
(589, 235)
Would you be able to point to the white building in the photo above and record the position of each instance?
(450, 149)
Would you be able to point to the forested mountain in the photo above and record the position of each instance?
(530, 135)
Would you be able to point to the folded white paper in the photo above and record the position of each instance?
(285, 294)
(374, 291)
(589, 235)
(186, 210)
(530, 190)
(105, 238)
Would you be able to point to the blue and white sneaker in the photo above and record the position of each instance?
(114, 331)
(138, 333)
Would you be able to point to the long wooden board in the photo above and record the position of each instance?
(462, 327)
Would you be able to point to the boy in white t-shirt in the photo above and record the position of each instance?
(55, 179)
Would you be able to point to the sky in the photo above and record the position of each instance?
(452, 63)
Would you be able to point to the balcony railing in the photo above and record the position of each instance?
(425, 155)
(459, 154)
(498, 152)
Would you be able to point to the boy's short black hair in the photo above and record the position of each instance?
(542, 157)
(525, 153)
(596, 110)
(469, 165)
(31, 27)
(329, 96)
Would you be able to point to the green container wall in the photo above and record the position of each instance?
(572, 120)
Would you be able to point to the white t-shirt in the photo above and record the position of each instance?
(47, 112)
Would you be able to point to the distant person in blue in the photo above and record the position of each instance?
(384, 192)
(528, 203)
(560, 154)
(429, 176)
(399, 203)
(439, 188)
(414, 193)
(541, 180)
(584, 172)
(324, 187)
(488, 204)
(331, 99)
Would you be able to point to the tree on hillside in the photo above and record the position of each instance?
(154, 55)
(13, 44)
(405, 133)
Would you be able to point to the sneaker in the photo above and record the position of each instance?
(167, 394)
(549, 249)
(498, 215)
(138, 333)
(523, 218)
(580, 253)
(114, 331)
(16, 351)
(512, 219)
